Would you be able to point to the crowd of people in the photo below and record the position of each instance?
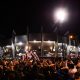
(42, 69)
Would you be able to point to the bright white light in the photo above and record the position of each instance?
(60, 15)
(26, 48)
(74, 47)
(34, 41)
(20, 43)
(8, 46)
(49, 41)
(51, 48)
(20, 54)
(54, 49)
(79, 49)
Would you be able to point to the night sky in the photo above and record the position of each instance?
(18, 15)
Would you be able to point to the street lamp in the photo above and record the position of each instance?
(71, 36)
(60, 16)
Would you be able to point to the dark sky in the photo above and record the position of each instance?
(17, 15)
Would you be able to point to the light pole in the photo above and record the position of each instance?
(70, 38)
(27, 38)
(60, 16)
(42, 41)
(13, 44)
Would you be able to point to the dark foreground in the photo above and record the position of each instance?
(44, 69)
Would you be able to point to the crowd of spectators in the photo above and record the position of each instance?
(43, 69)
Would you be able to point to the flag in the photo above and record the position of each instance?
(55, 29)
(66, 33)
